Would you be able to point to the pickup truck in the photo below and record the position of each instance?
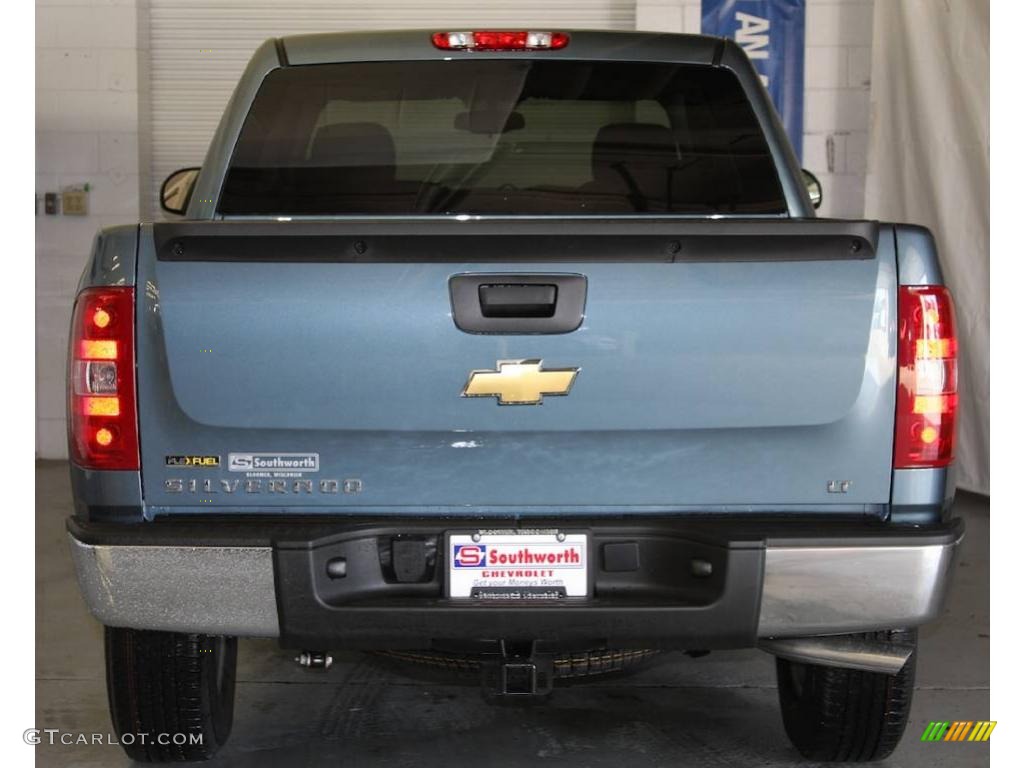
(521, 351)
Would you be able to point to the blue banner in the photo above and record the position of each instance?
(772, 34)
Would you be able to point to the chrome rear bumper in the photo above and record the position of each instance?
(836, 590)
(212, 590)
(774, 586)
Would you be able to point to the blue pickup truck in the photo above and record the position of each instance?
(518, 350)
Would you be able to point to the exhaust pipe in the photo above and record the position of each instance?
(843, 651)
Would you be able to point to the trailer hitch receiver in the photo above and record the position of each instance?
(517, 671)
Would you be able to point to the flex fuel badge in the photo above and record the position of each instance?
(195, 462)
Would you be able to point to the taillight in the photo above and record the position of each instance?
(102, 431)
(926, 400)
(500, 40)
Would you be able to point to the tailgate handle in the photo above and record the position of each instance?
(518, 300)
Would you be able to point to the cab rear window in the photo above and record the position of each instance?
(501, 136)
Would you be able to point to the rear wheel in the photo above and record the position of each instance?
(846, 715)
(177, 689)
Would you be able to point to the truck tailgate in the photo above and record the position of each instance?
(299, 367)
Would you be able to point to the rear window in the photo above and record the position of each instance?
(500, 136)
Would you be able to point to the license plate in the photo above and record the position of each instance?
(517, 566)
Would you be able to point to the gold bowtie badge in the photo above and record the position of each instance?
(520, 382)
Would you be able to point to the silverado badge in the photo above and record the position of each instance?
(520, 382)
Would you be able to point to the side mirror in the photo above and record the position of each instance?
(813, 188)
(176, 190)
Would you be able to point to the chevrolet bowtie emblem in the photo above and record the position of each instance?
(520, 382)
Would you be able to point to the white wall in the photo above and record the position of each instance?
(837, 79)
(929, 164)
(837, 83)
(92, 94)
(86, 131)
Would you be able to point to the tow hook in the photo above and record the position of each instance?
(314, 660)
(517, 672)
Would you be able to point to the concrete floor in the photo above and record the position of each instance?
(719, 710)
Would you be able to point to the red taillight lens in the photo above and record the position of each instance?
(500, 40)
(102, 431)
(926, 400)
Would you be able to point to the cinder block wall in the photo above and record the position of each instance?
(837, 79)
(92, 84)
(87, 130)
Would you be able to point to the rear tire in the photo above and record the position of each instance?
(845, 715)
(178, 685)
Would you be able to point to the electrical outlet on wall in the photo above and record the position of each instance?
(75, 200)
